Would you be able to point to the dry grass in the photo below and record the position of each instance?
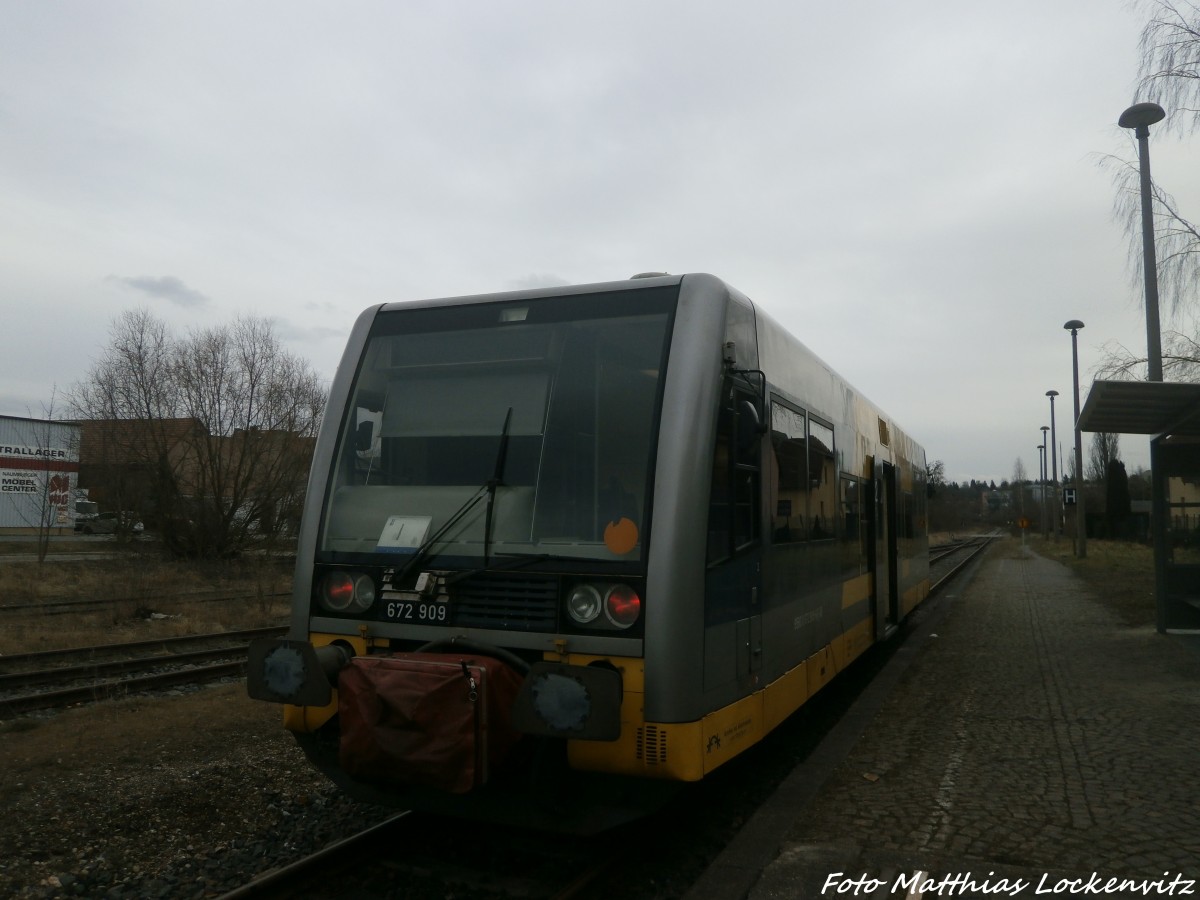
(147, 597)
(129, 730)
(27, 545)
(71, 737)
(134, 586)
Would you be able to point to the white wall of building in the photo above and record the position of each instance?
(39, 472)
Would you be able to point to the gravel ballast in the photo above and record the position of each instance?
(185, 795)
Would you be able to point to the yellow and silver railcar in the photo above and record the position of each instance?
(563, 546)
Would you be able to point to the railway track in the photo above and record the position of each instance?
(60, 607)
(497, 863)
(947, 560)
(51, 679)
(940, 552)
(286, 879)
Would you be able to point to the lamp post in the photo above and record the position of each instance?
(1042, 481)
(1054, 468)
(1140, 117)
(1080, 518)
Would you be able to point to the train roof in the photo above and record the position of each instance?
(645, 280)
(767, 323)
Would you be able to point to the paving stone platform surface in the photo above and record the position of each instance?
(1032, 745)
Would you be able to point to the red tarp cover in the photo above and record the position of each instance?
(432, 719)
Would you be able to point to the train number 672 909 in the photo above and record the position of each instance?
(407, 611)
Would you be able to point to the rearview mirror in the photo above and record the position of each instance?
(364, 437)
(749, 425)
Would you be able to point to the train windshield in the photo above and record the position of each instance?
(480, 431)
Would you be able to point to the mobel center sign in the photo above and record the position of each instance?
(19, 482)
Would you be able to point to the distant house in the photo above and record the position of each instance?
(997, 500)
(160, 468)
(120, 459)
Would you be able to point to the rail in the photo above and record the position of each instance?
(99, 680)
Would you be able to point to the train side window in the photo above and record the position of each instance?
(920, 501)
(720, 493)
(733, 517)
(789, 494)
(855, 530)
(745, 485)
(822, 481)
(908, 526)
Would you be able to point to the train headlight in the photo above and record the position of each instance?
(346, 592)
(583, 604)
(619, 603)
(622, 605)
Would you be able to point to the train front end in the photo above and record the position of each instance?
(470, 595)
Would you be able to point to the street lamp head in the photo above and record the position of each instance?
(1073, 326)
(1141, 115)
(1045, 428)
(1051, 395)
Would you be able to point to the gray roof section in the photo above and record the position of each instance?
(1142, 407)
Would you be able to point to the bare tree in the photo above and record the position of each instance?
(1169, 74)
(131, 402)
(1019, 475)
(133, 379)
(1019, 478)
(215, 429)
(1106, 449)
(935, 476)
(1176, 238)
(1180, 357)
(260, 408)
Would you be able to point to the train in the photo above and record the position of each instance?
(565, 550)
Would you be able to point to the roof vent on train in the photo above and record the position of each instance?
(649, 275)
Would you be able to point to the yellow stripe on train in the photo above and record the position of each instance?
(687, 751)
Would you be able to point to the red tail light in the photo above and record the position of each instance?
(622, 605)
(347, 592)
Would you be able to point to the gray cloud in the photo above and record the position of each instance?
(537, 280)
(164, 287)
(894, 188)
(288, 331)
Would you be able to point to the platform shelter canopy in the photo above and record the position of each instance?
(1142, 407)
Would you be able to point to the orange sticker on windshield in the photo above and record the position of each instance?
(621, 537)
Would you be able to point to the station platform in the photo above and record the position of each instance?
(1022, 742)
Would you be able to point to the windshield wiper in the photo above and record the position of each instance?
(488, 489)
(493, 483)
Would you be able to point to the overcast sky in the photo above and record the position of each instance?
(911, 188)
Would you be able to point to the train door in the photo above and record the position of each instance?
(885, 601)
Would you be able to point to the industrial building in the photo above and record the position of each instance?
(39, 472)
